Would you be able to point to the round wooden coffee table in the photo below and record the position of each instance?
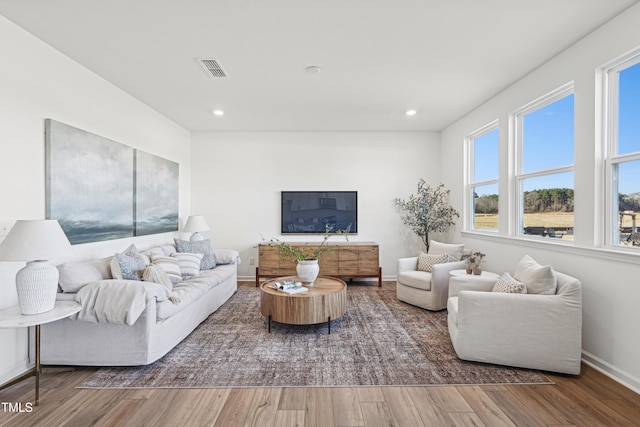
(326, 300)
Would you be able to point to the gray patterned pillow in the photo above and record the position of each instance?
(199, 247)
(131, 251)
(131, 267)
(509, 285)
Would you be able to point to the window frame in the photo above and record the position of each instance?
(519, 176)
(612, 159)
(470, 184)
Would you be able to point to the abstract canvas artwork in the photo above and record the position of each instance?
(156, 192)
(99, 189)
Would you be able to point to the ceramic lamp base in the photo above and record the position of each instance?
(37, 285)
(195, 237)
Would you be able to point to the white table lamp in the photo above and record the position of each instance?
(35, 241)
(196, 223)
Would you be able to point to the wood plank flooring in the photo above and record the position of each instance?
(591, 399)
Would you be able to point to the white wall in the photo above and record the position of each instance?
(237, 179)
(611, 292)
(37, 82)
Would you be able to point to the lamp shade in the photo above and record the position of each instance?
(36, 241)
(196, 223)
(30, 240)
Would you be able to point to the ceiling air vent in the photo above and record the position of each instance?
(212, 67)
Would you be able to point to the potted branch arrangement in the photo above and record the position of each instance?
(428, 211)
(308, 255)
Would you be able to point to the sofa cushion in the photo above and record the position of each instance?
(212, 278)
(184, 294)
(426, 261)
(189, 263)
(509, 285)
(539, 279)
(453, 250)
(169, 265)
(189, 290)
(74, 275)
(416, 279)
(199, 247)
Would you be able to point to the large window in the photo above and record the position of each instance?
(544, 170)
(623, 152)
(483, 170)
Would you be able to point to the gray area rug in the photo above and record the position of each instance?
(379, 341)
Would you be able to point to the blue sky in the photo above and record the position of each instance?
(629, 128)
(487, 156)
(549, 140)
(629, 115)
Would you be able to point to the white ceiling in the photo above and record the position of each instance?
(378, 57)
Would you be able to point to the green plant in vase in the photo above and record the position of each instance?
(308, 255)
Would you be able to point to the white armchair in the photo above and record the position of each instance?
(425, 289)
(524, 330)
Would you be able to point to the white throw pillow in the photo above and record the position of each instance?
(74, 275)
(189, 263)
(453, 250)
(427, 261)
(539, 279)
(169, 265)
(508, 284)
(226, 256)
(155, 274)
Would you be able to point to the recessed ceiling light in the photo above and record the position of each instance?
(218, 113)
(410, 112)
(313, 69)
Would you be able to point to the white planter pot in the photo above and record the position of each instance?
(308, 271)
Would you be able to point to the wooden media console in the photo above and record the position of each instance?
(347, 260)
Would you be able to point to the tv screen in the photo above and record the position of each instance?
(311, 211)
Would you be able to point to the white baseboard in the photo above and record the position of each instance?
(611, 371)
(10, 372)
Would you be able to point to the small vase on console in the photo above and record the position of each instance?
(308, 271)
(477, 270)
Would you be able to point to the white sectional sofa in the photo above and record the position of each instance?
(147, 329)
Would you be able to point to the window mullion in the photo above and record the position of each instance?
(546, 172)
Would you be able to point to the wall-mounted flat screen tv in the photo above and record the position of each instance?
(311, 211)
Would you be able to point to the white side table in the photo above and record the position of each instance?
(484, 274)
(13, 318)
(461, 280)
